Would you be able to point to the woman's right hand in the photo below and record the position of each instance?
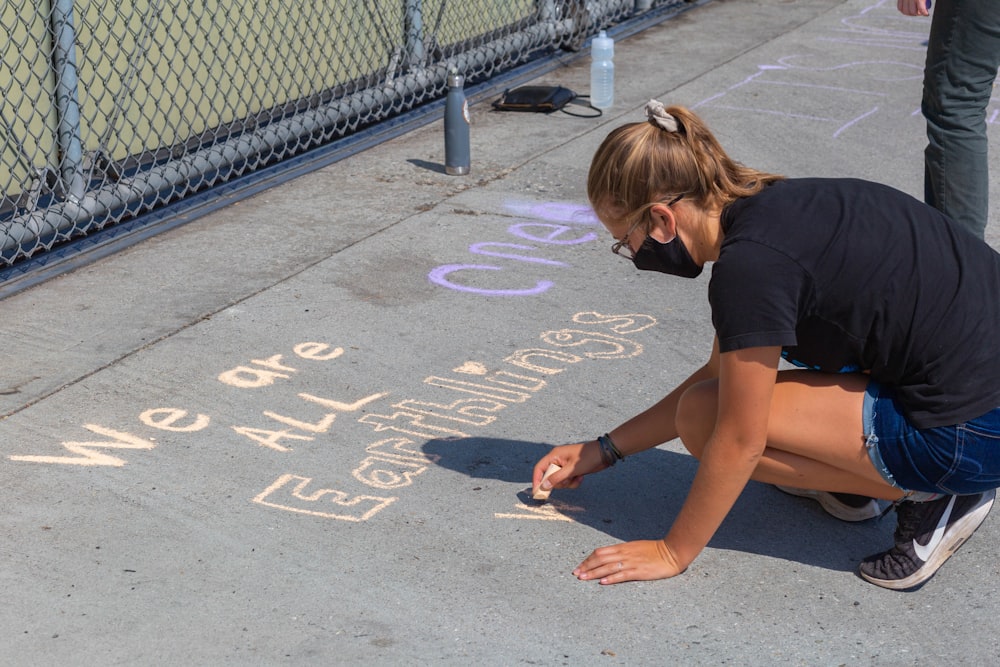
(576, 460)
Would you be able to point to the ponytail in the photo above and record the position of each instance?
(671, 153)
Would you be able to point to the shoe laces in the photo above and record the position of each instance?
(908, 517)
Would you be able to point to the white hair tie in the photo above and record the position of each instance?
(657, 114)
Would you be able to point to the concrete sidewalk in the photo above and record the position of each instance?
(299, 430)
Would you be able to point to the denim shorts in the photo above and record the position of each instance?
(954, 460)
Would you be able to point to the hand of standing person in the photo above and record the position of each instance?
(914, 7)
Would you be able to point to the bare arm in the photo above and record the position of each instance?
(746, 385)
(656, 425)
(648, 429)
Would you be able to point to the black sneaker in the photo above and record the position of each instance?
(844, 506)
(927, 534)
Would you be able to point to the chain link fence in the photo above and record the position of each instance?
(110, 110)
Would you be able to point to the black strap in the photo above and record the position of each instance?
(590, 106)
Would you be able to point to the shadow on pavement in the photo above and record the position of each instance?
(639, 498)
(426, 164)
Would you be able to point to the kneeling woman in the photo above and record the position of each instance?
(893, 308)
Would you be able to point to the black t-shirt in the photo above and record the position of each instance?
(847, 275)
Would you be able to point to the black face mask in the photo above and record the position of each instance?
(671, 257)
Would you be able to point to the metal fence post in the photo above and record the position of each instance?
(178, 116)
(413, 28)
(547, 10)
(67, 101)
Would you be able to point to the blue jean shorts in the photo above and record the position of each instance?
(954, 460)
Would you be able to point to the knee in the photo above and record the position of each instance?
(696, 415)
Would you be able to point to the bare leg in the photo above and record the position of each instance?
(815, 436)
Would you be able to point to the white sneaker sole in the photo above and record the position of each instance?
(834, 507)
(960, 531)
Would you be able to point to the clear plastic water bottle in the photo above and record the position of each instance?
(602, 71)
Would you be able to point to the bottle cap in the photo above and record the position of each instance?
(455, 80)
(602, 47)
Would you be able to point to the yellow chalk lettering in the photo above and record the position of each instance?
(551, 511)
(297, 500)
(622, 324)
(269, 439)
(519, 381)
(412, 424)
(521, 357)
(343, 407)
(274, 363)
(166, 418)
(483, 390)
(322, 426)
(471, 410)
(395, 449)
(387, 473)
(317, 351)
(608, 347)
(86, 456)
(245, 377)
(472, 368)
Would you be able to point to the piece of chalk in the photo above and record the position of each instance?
(538, 493)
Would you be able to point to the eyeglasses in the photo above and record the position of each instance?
(623, 243)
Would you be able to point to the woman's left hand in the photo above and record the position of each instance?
(642, 560)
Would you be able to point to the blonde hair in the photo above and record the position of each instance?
(641, 164)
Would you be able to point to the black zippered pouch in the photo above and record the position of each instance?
(540, 99)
